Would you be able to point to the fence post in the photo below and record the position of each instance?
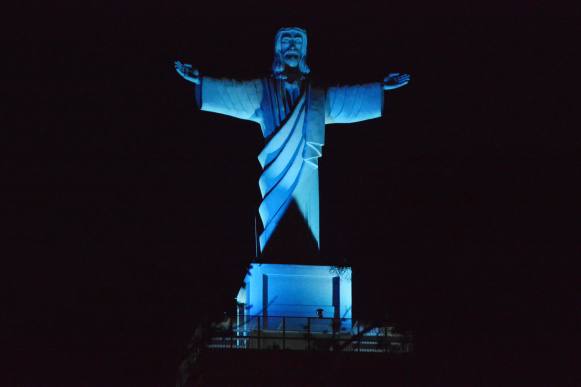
(385, 338)
(308, 333)
(231, 334)
(283, 332)
(358, 339)
(259, 338)
(334, 337)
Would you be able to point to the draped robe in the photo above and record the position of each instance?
(292, 119)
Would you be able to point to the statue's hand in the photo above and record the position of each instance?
(187, 72)
(395, 80)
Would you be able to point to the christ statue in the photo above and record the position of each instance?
(292, 113)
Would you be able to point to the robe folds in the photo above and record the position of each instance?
(293, 125)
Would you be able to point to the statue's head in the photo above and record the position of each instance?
(290, 51)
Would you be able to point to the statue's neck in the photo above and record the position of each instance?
(293, 76)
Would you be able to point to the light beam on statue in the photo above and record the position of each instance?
(292, 114)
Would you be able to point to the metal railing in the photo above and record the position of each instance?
(308, 334)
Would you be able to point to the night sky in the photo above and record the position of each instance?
(128, 214)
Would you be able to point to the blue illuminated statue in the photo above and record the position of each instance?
(292, 114)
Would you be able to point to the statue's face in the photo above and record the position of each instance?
(291, 44)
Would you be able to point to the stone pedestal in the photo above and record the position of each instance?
(272, 291)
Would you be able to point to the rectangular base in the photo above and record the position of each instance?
(276, 290)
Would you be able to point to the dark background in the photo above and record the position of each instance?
(128, 214)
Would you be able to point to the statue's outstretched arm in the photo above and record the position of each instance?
(345, 104)
(239, 99)
(187, 72)
(395, 81)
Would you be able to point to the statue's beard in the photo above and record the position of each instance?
(292, 60)
(290, 65)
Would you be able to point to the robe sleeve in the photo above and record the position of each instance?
(239, 99)
(346, 104)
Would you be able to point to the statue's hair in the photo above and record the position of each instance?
(278, 66)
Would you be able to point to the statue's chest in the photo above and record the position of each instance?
(280, 103)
